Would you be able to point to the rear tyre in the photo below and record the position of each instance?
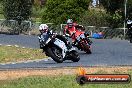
(55, 54)
(75, 56)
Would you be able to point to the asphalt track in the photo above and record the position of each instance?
(105, 52)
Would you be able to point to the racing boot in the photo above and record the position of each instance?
(75, 43)
(69, 46)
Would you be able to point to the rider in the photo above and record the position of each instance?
(71, 28)
(129, 26)
(46, 33)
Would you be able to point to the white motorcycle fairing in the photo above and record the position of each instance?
(80, 36)
(62, 45)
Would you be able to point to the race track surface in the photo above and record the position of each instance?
(105, 52)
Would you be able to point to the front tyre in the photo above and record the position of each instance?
(86, 48)
(56, 54)
(131, 40)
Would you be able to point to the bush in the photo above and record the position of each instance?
(101, 19)
(14, 9)
(94, 18)
(58, 11)
(115, 20)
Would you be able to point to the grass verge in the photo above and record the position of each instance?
(63, 80)
(58, 81)
(15, 54)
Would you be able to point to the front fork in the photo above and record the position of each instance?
(89, 41)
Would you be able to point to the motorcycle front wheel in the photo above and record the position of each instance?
(131, 40)
(86, 48)
(130, 37)
(56, 54)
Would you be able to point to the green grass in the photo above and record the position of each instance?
(14, 54)
(65, 81)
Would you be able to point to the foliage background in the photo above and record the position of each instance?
(17, 9)
(58, 11)
(107, 13)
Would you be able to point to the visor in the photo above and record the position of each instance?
(44, 30)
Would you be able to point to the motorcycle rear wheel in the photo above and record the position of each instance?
(75, 56)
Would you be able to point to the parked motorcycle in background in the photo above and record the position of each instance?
(57, 50)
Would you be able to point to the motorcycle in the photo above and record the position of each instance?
(58, 51)
(82, 41)
(129, 32)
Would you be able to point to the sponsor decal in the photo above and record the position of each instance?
(83, 78)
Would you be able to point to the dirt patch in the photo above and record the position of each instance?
(15, 74)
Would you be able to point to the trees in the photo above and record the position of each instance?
(38, 3)
(17, 9)
(115, 9)
(129, 8)
(112, 5)
(57, 11)
(37, 8)
(117, 5)
(95, 18)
